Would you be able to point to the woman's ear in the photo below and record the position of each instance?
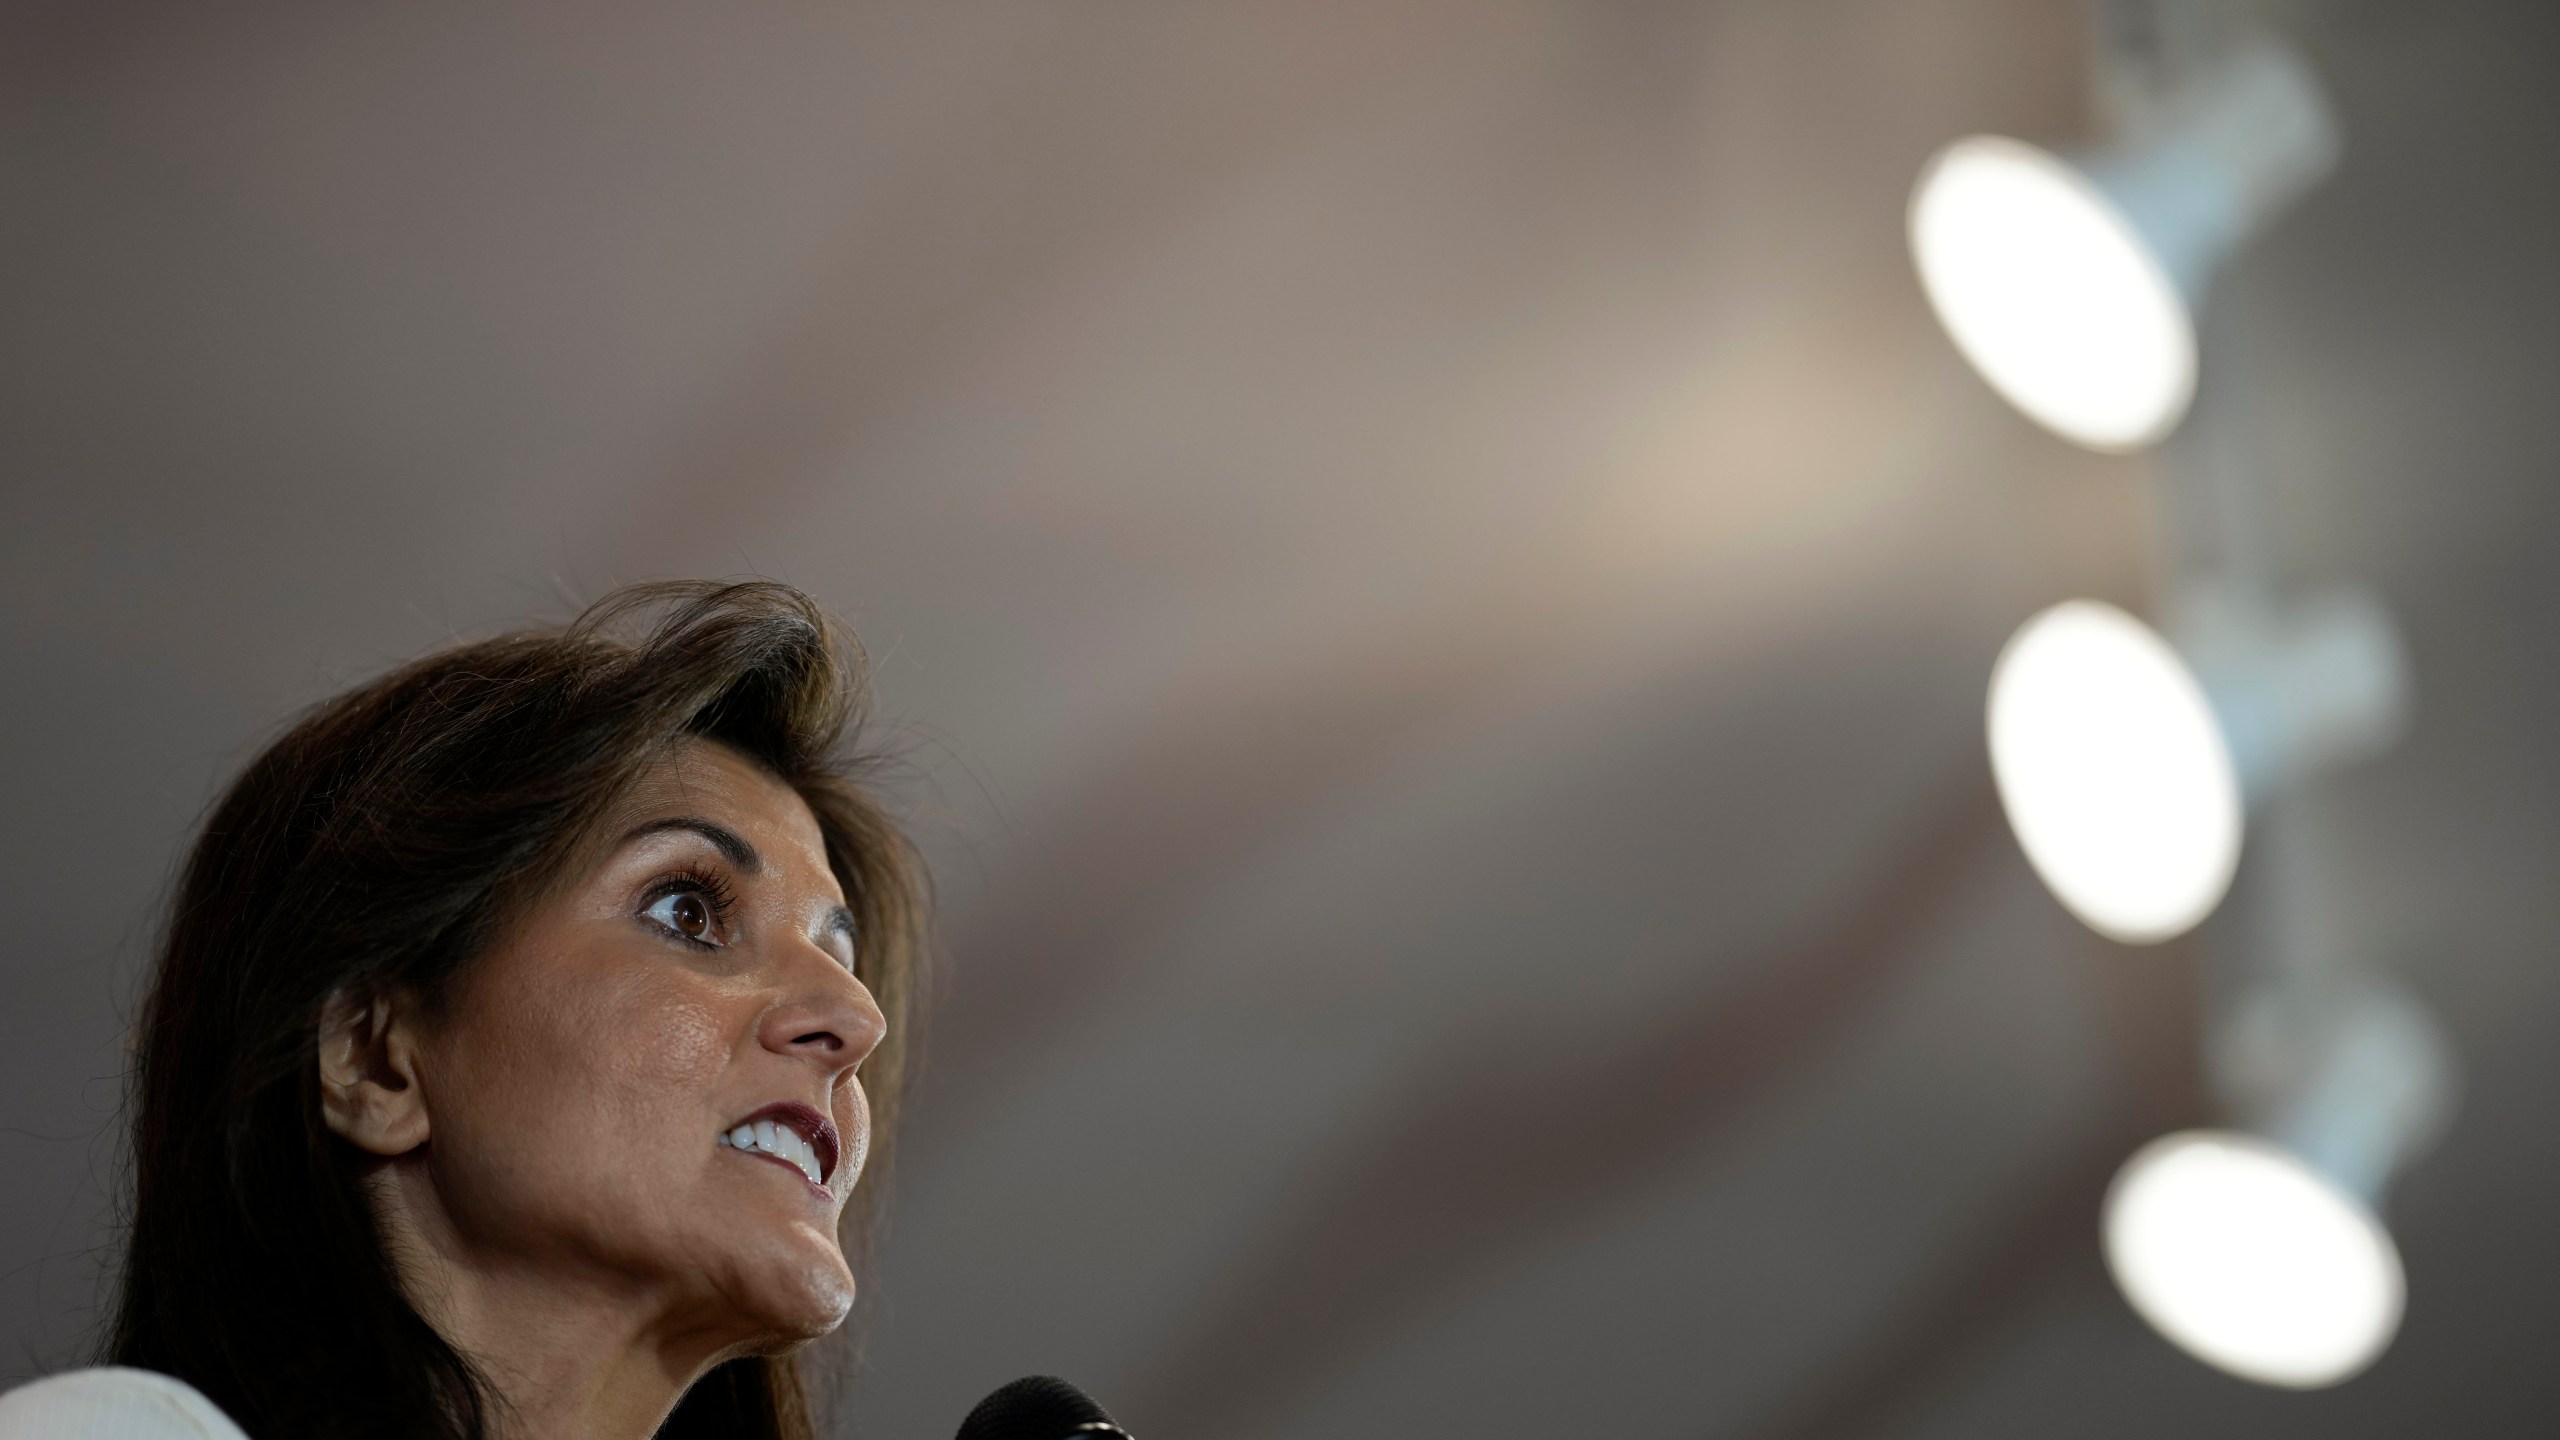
(369, 1091)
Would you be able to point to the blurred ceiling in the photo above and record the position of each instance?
(1431, 578)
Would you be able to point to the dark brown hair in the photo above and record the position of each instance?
(384, 841)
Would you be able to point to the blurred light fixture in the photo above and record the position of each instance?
(2113, 772)
(2251, 1260)
(2126, 770)
(2071, 284)
(2262, 1253)
(2297, 689)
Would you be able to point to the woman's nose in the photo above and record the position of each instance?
(831, 1019)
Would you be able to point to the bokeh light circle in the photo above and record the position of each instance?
(2252, 1261)
(2114, 772)
(2051, 294)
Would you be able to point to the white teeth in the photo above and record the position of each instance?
(777, 1140)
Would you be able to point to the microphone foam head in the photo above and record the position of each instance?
(1039, 1407)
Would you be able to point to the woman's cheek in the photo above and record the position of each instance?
(656, 1052)
(684, 1039)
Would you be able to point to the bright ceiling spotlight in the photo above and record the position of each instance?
(2113, 772)
(2262, 1253)
(2126, 766)
(2251, 1260)
(2047, 289)
(2071, 283)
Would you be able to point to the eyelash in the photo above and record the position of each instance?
(711, 886)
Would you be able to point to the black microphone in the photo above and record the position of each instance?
(1039, 1407)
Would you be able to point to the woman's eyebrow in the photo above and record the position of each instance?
(732, 846)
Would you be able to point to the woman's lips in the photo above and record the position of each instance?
(789, 1133)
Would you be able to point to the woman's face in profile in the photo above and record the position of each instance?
(648, 1085)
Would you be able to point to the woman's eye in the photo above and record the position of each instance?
(686, 912)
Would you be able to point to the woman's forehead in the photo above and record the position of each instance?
(707, 780)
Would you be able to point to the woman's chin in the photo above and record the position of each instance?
(796, 1298)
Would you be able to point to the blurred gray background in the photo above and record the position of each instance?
(1431, 578)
